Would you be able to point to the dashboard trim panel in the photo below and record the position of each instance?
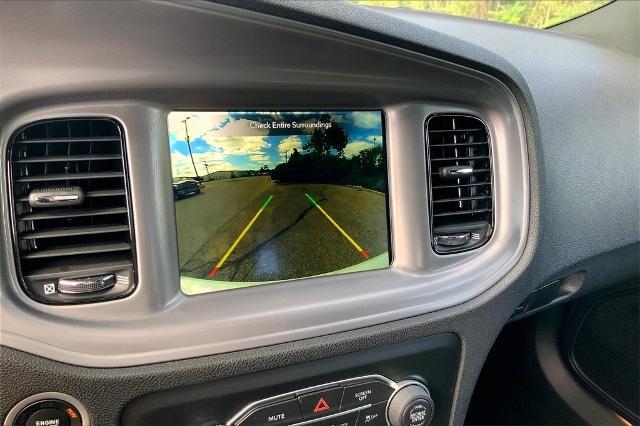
(157, 322)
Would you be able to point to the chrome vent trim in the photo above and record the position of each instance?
(460, 182)
(83, 159)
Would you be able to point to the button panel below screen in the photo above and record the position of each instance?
(362, 400)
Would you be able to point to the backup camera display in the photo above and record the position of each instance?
(263, 197)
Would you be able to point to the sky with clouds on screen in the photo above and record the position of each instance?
(239, 141)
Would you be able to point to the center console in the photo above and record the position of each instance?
(406, 384)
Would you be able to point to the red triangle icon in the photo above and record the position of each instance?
(321, 406)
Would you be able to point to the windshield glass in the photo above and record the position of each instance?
(537, 14)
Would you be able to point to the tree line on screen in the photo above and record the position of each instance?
(323, 161)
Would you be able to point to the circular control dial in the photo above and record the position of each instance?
(410, 405)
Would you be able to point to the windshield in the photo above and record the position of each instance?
(537, 14)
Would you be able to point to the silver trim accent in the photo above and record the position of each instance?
(58, 196)
(455, 171)
(13, 413)
(452, 240)
(402, 384)
(242, 415)
(86, 285)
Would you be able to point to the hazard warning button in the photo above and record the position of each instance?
(320, 403)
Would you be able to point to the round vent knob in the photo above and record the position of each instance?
(411, 405)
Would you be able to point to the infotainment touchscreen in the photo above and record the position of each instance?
(264, 197)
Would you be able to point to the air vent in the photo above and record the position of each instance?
(459, 158)
(71, 210)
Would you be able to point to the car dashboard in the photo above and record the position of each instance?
(490, 178)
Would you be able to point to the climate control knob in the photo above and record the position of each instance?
(410, 405)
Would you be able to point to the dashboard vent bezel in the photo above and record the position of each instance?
(127, 277)
(482, 228)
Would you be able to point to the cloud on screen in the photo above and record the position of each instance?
(223, 141)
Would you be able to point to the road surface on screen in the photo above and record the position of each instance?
(291, 238)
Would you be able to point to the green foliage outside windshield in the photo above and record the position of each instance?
(537, 14)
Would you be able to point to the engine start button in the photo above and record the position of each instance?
(48, 417)
(47, 412)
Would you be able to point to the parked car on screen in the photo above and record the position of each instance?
(185, 188)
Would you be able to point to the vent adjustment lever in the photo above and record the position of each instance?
(452, 240)
(455, 171)
(86, 285)
(57, 196)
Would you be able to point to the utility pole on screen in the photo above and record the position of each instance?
(186, 131)
(206, 166)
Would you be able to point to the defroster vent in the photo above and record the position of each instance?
(459, 158)
(71, 210)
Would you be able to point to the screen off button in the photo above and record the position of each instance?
(365, 393)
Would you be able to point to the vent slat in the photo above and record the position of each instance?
(70, 140)
(462, 158)
(66, 158)
(69, 176)
(460, 145)
(451, 200)
(465, 185)
(460, 203)
(455, 130)
(77, 250)
(105, 193)
(73, 231)
(475, 171)
(461, 212)
(60, 214)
